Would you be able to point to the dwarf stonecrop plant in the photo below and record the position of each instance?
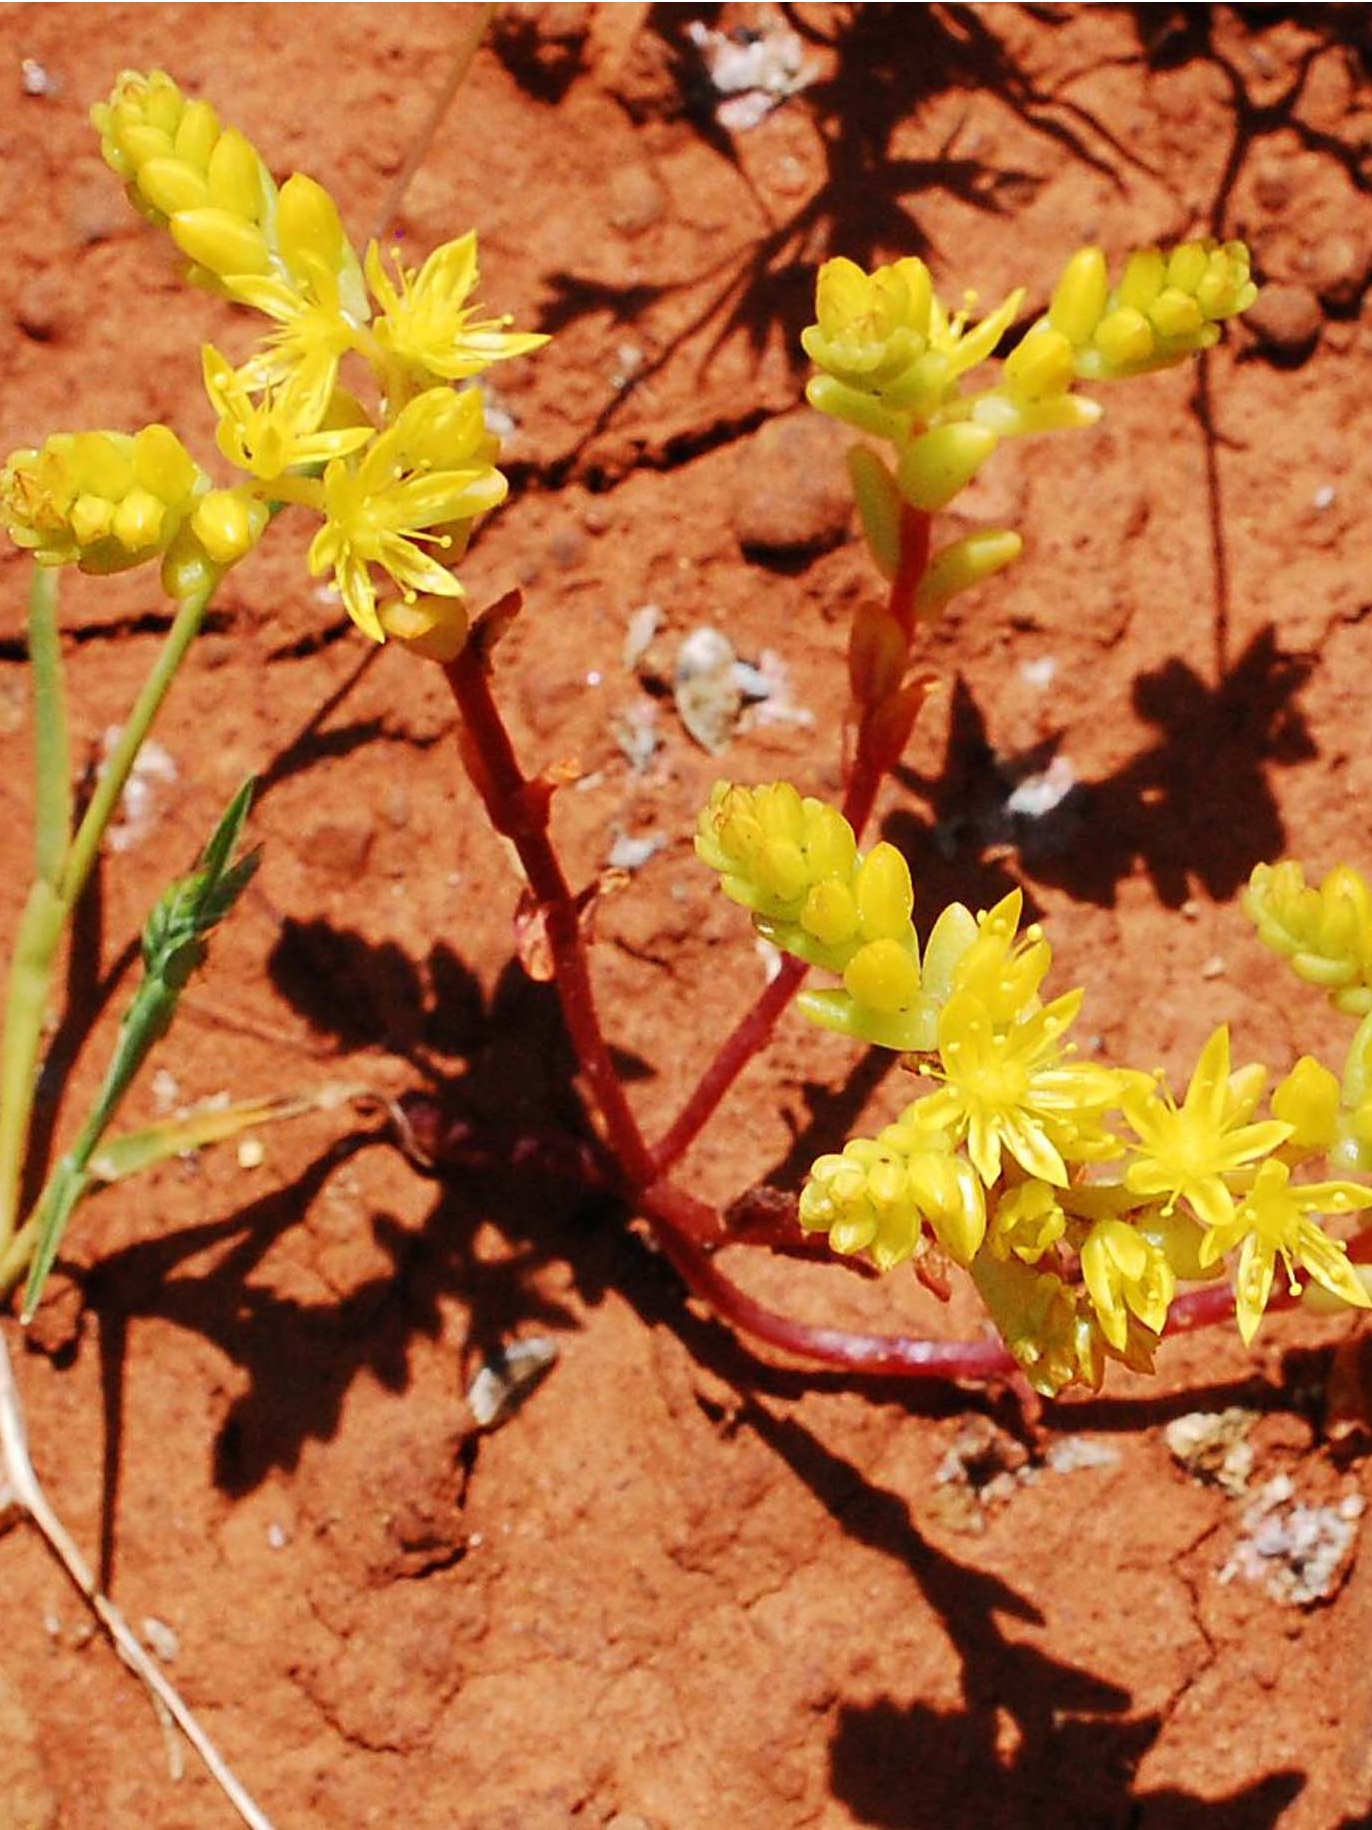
(1080, 1197)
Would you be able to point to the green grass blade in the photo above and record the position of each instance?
(52, 757)
(65, 1188)
(139, 1150)
(174, 944)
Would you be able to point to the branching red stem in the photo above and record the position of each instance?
(681, 1220)
(752, 1034)
(688, 1229)
(519, 809)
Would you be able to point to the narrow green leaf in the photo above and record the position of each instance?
(174, 944)
(138, 1150)
(52, 759)
(65, 1188)
(226, 835)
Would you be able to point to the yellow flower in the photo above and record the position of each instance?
(1186, 1153)
(890, 357)
(314, 295)
(1274, 1220)
(1043, 1322)
(1003, 968)
(1012, 1090)
(1126, 1274)
(872, 328)
(1166, 307)
(426, 327)
(429, 470)
(205, 182)
(1051, 1327)
(277, 434)
(175, 157)
(102, 501)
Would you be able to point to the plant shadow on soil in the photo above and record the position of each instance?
(894, 1764)
(889, 63)
(904, 1766)
(1194, 806)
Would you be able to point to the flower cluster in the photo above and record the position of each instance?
(396, 481)
(1079, 1196)
(892, 360)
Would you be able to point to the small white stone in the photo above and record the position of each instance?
(503, 1382)
(35, 79)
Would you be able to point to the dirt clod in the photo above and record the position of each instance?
(1285, 320)
(791, 497)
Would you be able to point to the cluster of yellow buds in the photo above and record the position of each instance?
(795, 863)
(1166, 307)
(101, 500)
(1079, 1196)
(397, 480)
(892, 360)
(1326, 933)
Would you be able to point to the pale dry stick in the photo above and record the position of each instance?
(20, 1488)
(469, 40)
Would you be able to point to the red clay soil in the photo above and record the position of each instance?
(683, 1587)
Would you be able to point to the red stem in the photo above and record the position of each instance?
(679, 1222)
(519, 809)
(744, 1041)
(752, 1034)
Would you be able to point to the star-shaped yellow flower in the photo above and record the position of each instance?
(426, 327)
(279, 432)
(1013, 1090)
(416, 485)
(1274, 1220)
(1186, 1152)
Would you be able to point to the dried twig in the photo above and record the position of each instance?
(470, 34)
(20, 1489)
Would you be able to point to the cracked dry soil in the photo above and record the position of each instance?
(682, 1588)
